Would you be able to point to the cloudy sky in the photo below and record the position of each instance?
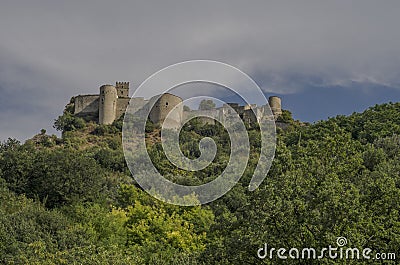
(323, 57)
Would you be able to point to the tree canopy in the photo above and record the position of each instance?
(72, 200)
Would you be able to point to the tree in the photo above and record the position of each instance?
(338, 177)
(206, 104)
(68, 122)
(64, 177)
(153, 225)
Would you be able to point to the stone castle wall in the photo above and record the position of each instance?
(105, 107)
(86, 104)
(122, 103)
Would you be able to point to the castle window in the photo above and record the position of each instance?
(166, 103)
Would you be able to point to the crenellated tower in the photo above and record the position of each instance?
(122, 89)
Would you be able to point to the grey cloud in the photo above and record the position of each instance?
(52, 50)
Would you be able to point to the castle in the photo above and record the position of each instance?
(112, 102)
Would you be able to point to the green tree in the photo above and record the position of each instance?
(64, 177)
(206, 104)
(68, 122)
(153, 225)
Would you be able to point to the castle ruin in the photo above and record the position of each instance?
(105, 107)
(112, 102)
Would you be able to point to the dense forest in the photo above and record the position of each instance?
(72, 200)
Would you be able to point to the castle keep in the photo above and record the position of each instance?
(112, 102)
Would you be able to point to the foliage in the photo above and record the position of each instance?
(32, 234)
(285, 117)
(73, 202)
(103, 129)
(150, 126)
(153, 225)
(206, 104)
(68, 122)
(56, 177)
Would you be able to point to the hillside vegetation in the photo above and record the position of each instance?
(72, 200)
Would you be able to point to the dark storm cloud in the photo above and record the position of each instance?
(52, 50)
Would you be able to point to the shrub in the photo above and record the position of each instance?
(68, 122)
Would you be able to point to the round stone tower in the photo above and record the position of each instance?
(275, 105)
(162, 108)
(107, 104)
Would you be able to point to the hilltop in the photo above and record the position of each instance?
(72, 199)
